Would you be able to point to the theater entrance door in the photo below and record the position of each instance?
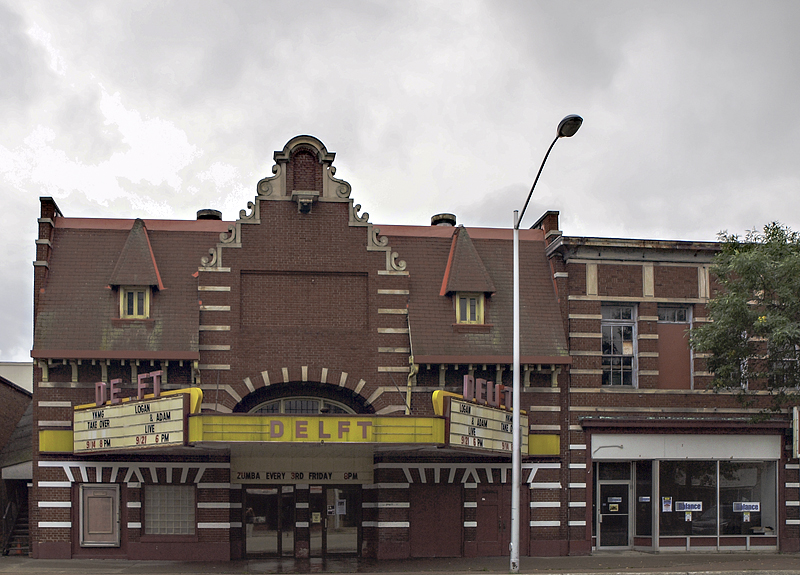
(270, 521)
(334, 519)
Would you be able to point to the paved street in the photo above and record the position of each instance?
(630, 563)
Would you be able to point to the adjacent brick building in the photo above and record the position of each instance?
(331, 353)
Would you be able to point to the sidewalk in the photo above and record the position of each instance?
(627, 563)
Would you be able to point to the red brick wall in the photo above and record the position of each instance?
(304, 293)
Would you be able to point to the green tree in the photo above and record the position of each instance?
(754, 338)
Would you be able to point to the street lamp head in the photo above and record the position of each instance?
(569, 125)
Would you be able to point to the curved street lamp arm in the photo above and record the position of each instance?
(525, 207)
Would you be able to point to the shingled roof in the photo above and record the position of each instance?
(435, 336)
(91, 257)
(465, 271)
(136, 265)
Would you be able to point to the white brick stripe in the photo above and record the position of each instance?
(55, 524)
(55, 504)
(46, 423)
(545, 523)
(386, 524)
(55, 484)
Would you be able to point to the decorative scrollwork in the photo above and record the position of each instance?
(264, 188)
(243, 215)
(397, 265)
(229, 239)
(363, 218)
(211, 260)
(380, 242)
(343, 191)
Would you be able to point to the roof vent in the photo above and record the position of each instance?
(443, 220)
(209, 214)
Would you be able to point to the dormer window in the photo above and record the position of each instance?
(469, 307)
(134, 303)
(136, 274)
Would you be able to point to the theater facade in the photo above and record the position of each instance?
(301, 382)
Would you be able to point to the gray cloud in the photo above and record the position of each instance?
(157, 109)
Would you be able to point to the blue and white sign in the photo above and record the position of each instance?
(746, 506)
(688, 506)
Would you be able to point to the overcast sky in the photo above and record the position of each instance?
(158, 109)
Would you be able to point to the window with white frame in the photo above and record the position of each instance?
(169, 509)
(619, 344)
(673, 314)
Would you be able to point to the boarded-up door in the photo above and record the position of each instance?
(99, 515)
(674, 358)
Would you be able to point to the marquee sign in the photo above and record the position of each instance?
(480, 418)
(483, 428)
(131, 424)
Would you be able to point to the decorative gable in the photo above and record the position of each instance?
(136, 265)
(465, 271)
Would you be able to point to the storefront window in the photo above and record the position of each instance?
(688, 498)
(610, 471)
(644, 492)
(747, 498)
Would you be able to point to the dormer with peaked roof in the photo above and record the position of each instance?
(465, 271)
(136, 265)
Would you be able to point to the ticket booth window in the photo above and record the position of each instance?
(99, 515)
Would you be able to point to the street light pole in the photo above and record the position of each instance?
(566, 129)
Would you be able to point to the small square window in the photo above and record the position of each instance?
(134, 303)
(469, 308)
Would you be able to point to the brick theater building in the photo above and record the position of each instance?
(303, 383)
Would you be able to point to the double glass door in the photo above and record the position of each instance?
(334, 517)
